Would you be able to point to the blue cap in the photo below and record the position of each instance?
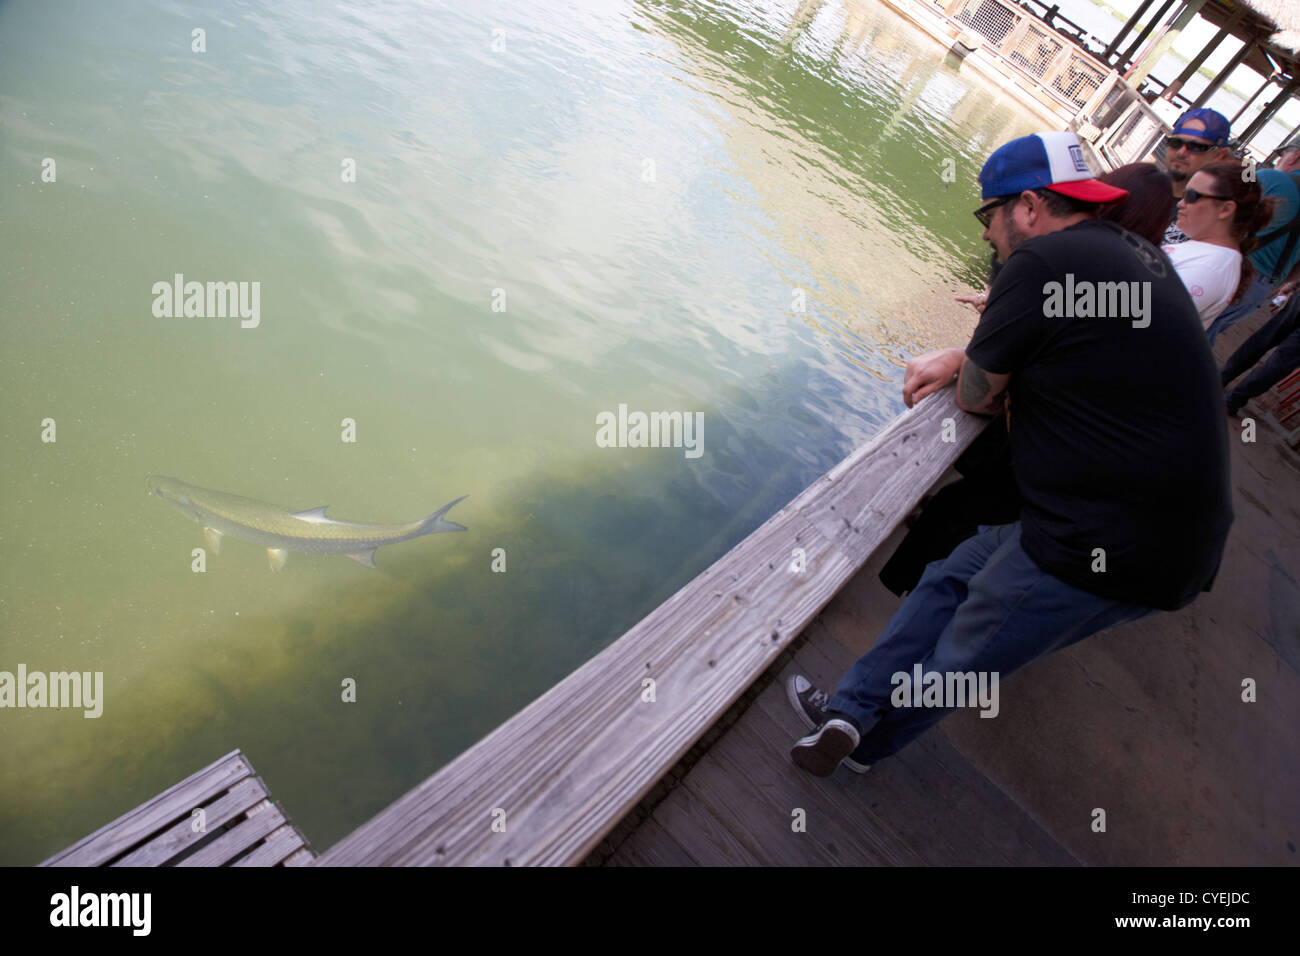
(1044, 160)
(1216, 126)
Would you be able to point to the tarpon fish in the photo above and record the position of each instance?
(281, 531)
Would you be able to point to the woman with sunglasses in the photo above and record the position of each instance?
(1220, 212)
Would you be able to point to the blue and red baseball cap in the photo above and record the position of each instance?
(1216, 126)
(1044, 161)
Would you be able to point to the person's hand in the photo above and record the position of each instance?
(930, 372)
(978, 300)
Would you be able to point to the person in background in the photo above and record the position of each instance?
(1220, 213)
(1200, 137)
(1282, 335)
(1276, 259)
(1150, 200)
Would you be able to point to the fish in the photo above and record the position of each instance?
(281, 531)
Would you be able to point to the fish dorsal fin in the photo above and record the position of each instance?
(314, 515)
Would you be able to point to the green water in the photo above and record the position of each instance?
(649, 183)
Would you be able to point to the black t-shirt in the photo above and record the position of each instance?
(1118, 433)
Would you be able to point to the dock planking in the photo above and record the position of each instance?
(546, 786)
(237, 815)
(931, 808)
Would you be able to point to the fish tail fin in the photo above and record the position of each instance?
(436, 523)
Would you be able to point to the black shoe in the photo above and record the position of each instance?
(822, 751)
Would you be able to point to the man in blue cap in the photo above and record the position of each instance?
(1118, 447)
(1200, 137)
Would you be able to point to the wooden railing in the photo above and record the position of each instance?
(547, 785)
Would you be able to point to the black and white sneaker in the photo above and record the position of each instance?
(822, 751)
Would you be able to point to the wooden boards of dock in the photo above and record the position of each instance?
(222, 815)
(546, 786)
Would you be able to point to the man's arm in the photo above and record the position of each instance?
(979, 391)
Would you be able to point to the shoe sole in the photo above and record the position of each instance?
(820, 753)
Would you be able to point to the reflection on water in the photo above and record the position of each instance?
(723, 209)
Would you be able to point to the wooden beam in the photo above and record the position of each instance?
(546, 786)
(1223, 75)
(173, 804)
(1143, 68)
(1269, 111)
(1127, 56)
(1224, 31)
(1125, 30)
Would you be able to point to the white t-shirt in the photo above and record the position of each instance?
(1210, 272)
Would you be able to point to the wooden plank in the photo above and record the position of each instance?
(692, 823)
(144, 821)
(261, 820)
(281, 844)
(651, 845)
(859, 502)
(941, 806)
(182, 835)
(303, 857)
(764, 830)
(851, 838)
(569, 766)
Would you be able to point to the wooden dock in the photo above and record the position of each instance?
(745, 804)
(222, 815)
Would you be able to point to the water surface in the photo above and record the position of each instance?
(734, 210)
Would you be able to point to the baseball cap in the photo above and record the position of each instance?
(1291, 143)
(1216, 126)
(1044, 160)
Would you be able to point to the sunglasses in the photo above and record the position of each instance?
(1173, 142)
(1194, 196)
(985, 213)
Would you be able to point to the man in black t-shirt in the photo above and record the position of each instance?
(1119, 451)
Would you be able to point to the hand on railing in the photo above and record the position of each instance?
(930, 372)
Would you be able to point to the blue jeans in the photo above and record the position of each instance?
(1280, 333)
(987, 607)
(1260, 291)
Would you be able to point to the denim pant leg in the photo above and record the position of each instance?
(1259, 292)
(1013, 612)
(913, 631)
(1284, 360)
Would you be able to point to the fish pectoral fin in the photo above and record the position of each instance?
(313, 514)
(364, 557)
(277, 557)
(213, 537)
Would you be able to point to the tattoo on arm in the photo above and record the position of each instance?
(974, 384)
(975, 390)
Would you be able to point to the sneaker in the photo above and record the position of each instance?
(808, 702)
(811, 706)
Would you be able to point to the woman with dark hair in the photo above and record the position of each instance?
(1150, 201)
(1220, 212)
